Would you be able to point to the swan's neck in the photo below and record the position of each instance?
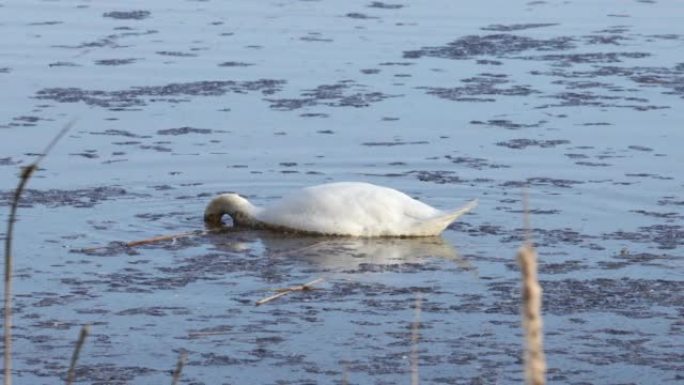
(240, 210)
(244, 218)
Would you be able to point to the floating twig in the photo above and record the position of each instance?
(179, 368)
(193, 335)
(71, 374)
(26, 173)
(288, 290)
(156, 239)
(164, 238)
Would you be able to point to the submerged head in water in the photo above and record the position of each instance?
(239, 209)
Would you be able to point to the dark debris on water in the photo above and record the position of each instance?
(128, 15)
(140, 96)
(80, 198)
(521, 144)
(631, 297)
(471, 46)
(345, 93)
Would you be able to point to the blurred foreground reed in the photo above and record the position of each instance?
(535, 362)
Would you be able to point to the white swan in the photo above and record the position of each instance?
(343, 208)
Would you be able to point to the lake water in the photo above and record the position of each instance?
(176, 101)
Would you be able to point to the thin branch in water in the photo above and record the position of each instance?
(148, 241)
(71, 374)
(179, 368)
(288, 290)
(26, 173)
(164, 238)
(160, 238)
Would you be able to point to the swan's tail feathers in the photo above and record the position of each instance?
(455, 214)
(436, 225)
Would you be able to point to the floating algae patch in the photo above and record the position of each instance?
(472, 46)
(108, 41)
(346, 93)
(8, 161)
(119, 132)
(625, 259)
(516, 27)
(381, 5)
(631, 297)
(235, 64)
(106, 373)
(521, 144)
(185, 131)
(140, 96)
(666, 237)
(507, 124)
(542, 181)
(591, 99)
(481, 89)
(590, 58)
(128, 15)
(546, 237)
(394, 143)
(475, 163)
(81, 198)
(671, 79)
(115, 62)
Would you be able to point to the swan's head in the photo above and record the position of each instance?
(234, 205)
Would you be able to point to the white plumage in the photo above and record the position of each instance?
(343, 208)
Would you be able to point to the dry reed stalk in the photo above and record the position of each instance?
(535, 363)
(179, 368)
(71, 374)
(26, 173)
(415, 336)
(288, 290)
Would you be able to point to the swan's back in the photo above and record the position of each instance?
(353, 208)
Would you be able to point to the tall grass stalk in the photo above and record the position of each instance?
(24, 177)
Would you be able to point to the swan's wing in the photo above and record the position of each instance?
(359, 209)
(348, 208)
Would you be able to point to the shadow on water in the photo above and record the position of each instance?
(340, 254)
(250, 258)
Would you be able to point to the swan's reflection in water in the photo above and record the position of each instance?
(338, 254)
